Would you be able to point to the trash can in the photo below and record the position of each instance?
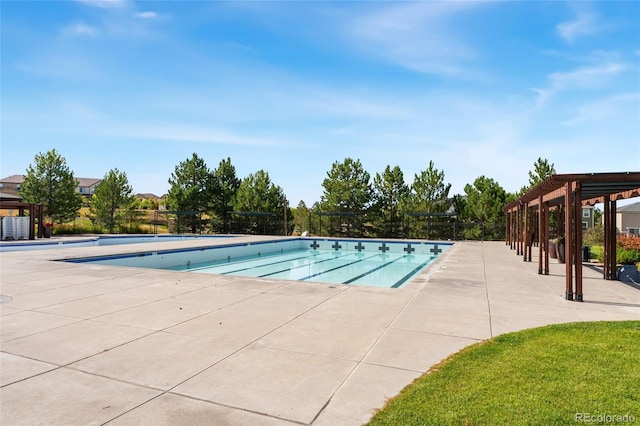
(586, 253)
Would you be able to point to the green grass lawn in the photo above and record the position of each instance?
(554, 375)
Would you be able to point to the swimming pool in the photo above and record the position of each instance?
(380, 263)
(103, 240)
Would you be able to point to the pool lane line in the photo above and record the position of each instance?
(338, 267)
(377, 268)
(410, 274)
(301, 266)
(275, 263)
(266, 257)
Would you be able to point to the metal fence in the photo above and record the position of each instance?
(346, 226)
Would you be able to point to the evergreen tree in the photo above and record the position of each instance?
(191, 190)
(347, 190)
(226, 184)
(301, 217)
(257, 194)
(484, 203)
(50, 182)
(430, 194)
(542, 170)
(391, 194)
(111, 199)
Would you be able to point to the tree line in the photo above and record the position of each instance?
(353, 203)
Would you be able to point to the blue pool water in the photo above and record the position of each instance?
(372, 263)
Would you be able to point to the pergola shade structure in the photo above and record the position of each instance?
(528, 219)
(36, 214)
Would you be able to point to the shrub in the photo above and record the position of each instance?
(597, 252)
(627, 256)
(594, 236)
(628, 242)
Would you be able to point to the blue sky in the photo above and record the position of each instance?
(480, 88)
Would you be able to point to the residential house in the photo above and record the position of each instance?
(11, 185)
(588, 220)
(628, 219)
(87, 186)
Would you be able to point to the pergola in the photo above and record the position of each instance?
(36, 211)
(528, 218)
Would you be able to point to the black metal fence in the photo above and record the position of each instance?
(323, 225)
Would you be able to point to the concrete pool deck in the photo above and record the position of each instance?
(88, 344)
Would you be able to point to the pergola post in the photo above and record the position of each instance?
(513, 230)
(577, 226)
(541, 234)
(607, 231)
(568, 243)
(610, 272)
(545, 240)
(525, 231)
(614, 232)
(518, 229)
(531, 231)
(507, 225)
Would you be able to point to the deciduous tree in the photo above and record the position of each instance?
(50, 182)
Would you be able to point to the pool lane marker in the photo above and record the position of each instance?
(410, 274)
(303, 266)
(377, 268)
(238, 262)
(337, 267)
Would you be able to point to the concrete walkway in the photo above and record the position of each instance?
(85, 344)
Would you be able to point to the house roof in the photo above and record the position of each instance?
(9, 197)
(633, 207)
(88, 182)
(148, 195)
(13, 179)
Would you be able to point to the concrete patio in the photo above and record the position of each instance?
(86, 344)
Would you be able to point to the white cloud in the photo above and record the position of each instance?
(80, 29)
(585, 77)
(606, 108)
(415, 36)
(106, 4)
(586, 23)
(187, 133)
(147, 15)
(591, 77)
